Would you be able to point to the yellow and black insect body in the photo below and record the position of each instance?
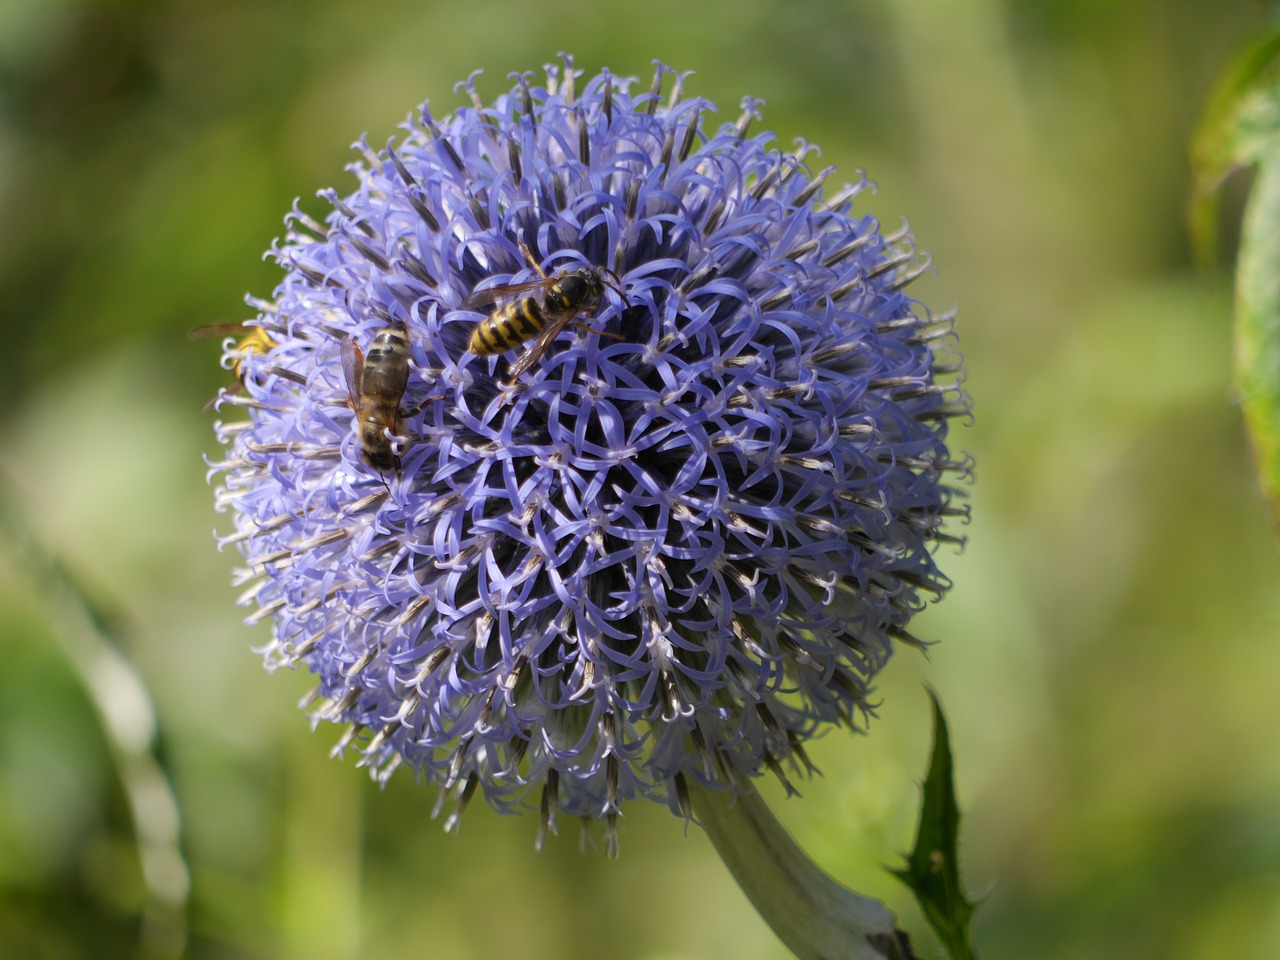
(538, 310)
(253, 340)
(376, 382)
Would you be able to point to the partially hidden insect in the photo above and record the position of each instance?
(537, 310)
(376, 383)
(253, 340)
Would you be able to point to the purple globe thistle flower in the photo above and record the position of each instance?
(670, 551)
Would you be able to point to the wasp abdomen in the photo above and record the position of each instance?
(508, 327)
(538, 312)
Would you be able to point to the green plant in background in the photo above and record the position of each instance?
(641, 529)
(1113, 628)
(1241, 129)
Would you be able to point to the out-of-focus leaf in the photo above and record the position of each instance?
(933, 870)
(1241, 127)
(1238, 127)
(1258, 326)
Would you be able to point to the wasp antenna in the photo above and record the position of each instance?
(616, 285)
(528, 255)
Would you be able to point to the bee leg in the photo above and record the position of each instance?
(395, 455)
(418, 408)
(397, 437)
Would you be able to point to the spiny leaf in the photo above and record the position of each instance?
(932, 869)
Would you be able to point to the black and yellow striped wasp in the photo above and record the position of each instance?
(253, 339)
(537, 310)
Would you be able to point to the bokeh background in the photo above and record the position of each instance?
(1109, 657)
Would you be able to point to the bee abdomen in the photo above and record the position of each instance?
(386, 366)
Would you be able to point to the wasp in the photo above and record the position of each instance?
(537, 310)
(254, 340)
(375, 385)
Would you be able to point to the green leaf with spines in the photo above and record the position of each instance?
(932, 870)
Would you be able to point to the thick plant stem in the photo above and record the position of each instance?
(816, 917)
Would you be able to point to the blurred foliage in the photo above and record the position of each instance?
(1109, 654)
(1240, 128)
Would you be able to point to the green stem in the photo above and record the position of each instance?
(816, 917)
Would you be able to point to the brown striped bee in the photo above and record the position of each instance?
(375, 384)
(255, 339)
(538, 310)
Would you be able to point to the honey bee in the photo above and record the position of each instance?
(375, 384)
(254, 340)
(537, 310)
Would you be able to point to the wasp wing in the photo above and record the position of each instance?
(211, 330)
(539, 346)
(247, 331)
(504, 291)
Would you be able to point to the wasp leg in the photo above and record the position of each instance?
(604, 333)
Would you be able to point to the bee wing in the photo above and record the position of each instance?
(504, 291)
(539, 346)
(352, 367)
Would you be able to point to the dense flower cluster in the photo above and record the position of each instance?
(678, 545)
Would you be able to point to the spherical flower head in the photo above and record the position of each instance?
(677, 539)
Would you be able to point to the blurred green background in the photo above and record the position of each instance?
(1109, 658)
